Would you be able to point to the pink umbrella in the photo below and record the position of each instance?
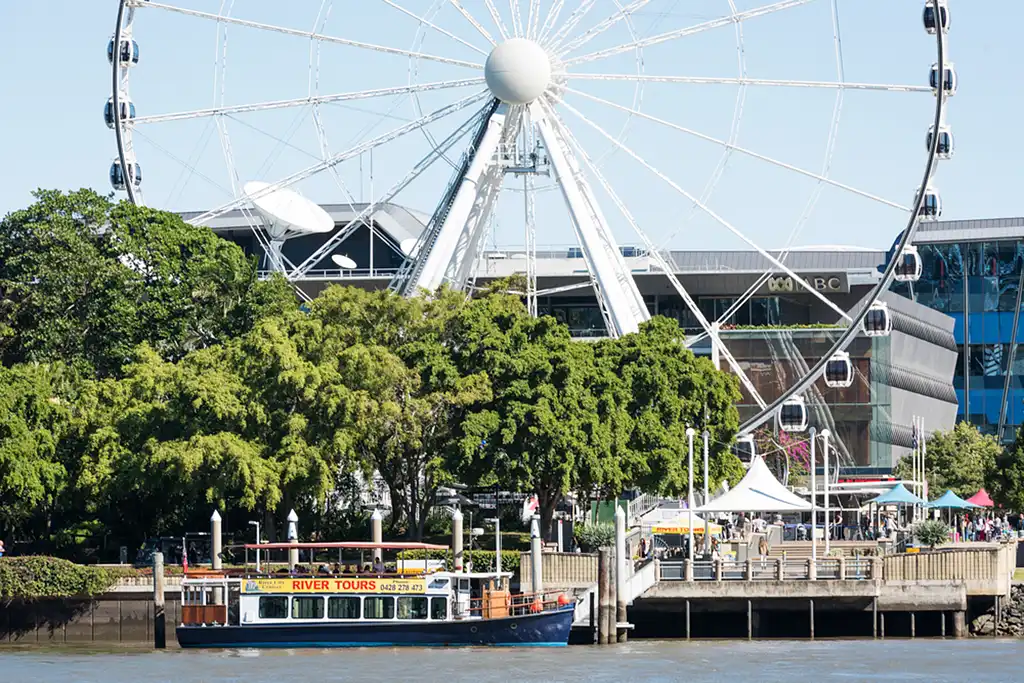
(981, 499)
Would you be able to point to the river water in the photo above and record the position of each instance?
(932, 661)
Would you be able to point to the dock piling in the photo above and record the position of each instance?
(293, 537)
(159, 616)
(536, 561)
(216, 546)
(812, 618)
(606, 605)
(377, 534)
(621, 564)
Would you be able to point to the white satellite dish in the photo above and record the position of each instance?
(343, 262)
(408, 246)
(287, 213)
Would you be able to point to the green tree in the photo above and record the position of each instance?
(1005, 481)
(666, 389)
(36, 404)
(85, 281)
(959, 459)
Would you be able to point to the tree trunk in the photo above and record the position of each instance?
(546, 501)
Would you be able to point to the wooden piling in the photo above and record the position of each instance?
(159, 617)
(881, 624)
(605, 600)
(687, 619)
(750, 620)
(913, 624)
(812, 618)
(943, 617)
(874, 618)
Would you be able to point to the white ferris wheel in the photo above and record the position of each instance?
(658, 123)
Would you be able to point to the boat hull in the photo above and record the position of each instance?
(542, 629)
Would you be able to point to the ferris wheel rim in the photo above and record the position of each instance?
(534, 23)
(888, 275)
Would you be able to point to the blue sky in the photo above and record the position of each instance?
(56, 80)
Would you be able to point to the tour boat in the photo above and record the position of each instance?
(412, 607)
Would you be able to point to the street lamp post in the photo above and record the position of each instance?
(690, 432)
(825, 434)
(814, 498)
(707, 536)
(257, 525)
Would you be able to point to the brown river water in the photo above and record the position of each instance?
(932, 661)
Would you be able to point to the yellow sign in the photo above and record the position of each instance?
(334, 585)
(683, 529)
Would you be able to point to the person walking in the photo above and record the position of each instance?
(763, 549)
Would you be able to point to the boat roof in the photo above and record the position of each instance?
(350, 545)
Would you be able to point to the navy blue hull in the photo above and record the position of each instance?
(545, 628)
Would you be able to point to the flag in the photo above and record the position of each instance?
(530, 506)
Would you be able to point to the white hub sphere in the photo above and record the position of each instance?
(518, 71)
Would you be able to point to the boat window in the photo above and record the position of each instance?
(343, 608)
(439, 608)
(463, 584)
(273, 607)
(308, 607)
(379, 607)
(412, 607)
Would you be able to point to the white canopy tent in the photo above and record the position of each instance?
(758, 491)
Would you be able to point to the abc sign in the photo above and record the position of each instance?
(822, 284)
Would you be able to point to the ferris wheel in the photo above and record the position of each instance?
(600, 122)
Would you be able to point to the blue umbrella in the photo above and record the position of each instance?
(897, 495)
(952, 501)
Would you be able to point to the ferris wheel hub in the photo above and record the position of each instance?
(518, 71)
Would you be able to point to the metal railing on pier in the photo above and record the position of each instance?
(824, 569)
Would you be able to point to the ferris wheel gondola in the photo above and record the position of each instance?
(839, 371)
(909, 267)
(793, 415)
(514, 100)
(944, 149)
(878, 322)
(744, 448)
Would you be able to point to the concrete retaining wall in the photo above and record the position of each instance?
(108, 619)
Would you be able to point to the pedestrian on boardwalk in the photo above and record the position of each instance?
(763, 549)
(1, 548)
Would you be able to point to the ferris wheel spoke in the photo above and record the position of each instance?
(572, 22)
(533, 20)
(834, 85)
(550, 20)
(656, 257)
(742, 150)
(310, 35)
(600, 28)
(436, 152)
(430, 24)
(711, 213)
(336, 159)
(517, 19)
(496, 18)
(305, 101)
(688, 31)
(472, 20)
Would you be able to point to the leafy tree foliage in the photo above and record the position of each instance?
(146, 377)
(85, 281)
(959, 459)
(1005, 481)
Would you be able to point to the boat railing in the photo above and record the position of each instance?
(499, 603)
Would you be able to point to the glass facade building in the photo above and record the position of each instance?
(973, 271)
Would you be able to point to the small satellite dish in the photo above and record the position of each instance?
(408, 245)
(497, 255)
(343, 262)
(287, 213)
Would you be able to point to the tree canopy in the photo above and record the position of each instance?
(147, 376)
(959, 459)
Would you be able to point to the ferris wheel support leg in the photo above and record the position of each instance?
(625, 304)
(468, 206)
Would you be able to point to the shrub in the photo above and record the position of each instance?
(591, 537)
(29, 578)
(932, 532)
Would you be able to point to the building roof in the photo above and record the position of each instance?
(973, 230)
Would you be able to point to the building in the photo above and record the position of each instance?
(775, 337)
(973, 271)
